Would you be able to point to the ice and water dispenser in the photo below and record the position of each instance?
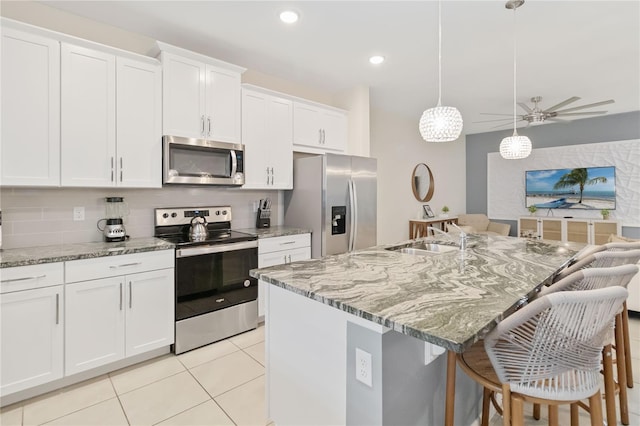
(338, 220)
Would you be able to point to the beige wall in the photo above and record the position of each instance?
(396, 143)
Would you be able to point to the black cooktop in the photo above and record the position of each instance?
(216, 236)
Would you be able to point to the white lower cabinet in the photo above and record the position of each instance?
(589, 231)
(112, 318)
(279, 251)
(32, 338)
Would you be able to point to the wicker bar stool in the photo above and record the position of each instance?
(594, 278)
(548, 352)
(601, 256)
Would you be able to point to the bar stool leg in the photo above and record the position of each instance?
(506, 405)
(627, 345)
(609, 386)
(622, 374)
(536, 411)
(517, 411)
(595, 409)
(553, 415)
(486, 401)
(575, 416)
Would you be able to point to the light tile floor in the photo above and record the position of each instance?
(219, 384)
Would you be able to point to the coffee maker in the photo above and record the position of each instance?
(115, 210)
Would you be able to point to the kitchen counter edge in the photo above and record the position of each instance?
(25, 256)
(274, 231)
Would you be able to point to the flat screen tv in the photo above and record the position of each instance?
(586, 188)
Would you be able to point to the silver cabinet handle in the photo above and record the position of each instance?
(288, 242)
(267, 175)
(130, 296)
(57, 308)
(271, 175)
(125, 265)
(320, 136)
(24, 279)
(285, 258)
(120, 169)
(120, 296)
(289, 258)
(202, 122)
(324, 137)
(209, 121)
(111, 169)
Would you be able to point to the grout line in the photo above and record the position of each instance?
(119, 401)
(211, 397)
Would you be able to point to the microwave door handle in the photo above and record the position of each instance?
(234, 163)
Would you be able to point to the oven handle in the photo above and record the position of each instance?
(220, 248)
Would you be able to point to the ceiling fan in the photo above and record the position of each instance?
(536, 115)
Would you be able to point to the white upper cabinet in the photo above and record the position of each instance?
(201, 96)
(267, 133)
(30, 149)
(139, 124)
(110, 120)
(318, 128)
(88, 117)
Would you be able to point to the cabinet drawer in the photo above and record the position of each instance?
(31, 276)
(289, 242)
(111, 266)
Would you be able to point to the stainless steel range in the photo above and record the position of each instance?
(215, 296)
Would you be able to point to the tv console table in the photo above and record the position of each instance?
(578, 230)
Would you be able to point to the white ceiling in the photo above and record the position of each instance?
(589, 49)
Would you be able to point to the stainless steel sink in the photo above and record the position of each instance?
(423, 248)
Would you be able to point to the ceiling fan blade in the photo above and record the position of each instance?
(580, 113)
(525, 107)
(561, 104)
(492, 113)
(557, 120)
(500, 125)
(491, 121)
(610, 101)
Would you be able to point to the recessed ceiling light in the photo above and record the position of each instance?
(289, 17)
(376, 60)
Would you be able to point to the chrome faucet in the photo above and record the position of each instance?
(463, 236)
(439, 231)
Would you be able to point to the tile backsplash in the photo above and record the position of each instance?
(44, 216)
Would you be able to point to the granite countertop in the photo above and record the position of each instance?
(451, 299)
(274, 231)
(60, 253)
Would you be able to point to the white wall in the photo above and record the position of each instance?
(398, 146)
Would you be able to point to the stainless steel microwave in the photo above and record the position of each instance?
(202, 162)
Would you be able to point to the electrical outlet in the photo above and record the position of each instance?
(363, 367)
(78, 213)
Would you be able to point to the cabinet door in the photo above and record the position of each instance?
(183, 96)
(306, 125)
(334, 130)
(528, 227)
(88, 117)
(602, 230)
(149, 311)
(551, 229)
(280, 125)
(139, 129)
(222, 105)
(578, 231)
(94, 315)
(31, 349)
(30, 151)
(254, 138)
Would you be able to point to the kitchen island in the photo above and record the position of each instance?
(400, 309)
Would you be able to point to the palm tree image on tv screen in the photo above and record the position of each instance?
(584, 188)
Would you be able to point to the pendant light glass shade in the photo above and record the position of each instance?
(440, 123)
(515, 147)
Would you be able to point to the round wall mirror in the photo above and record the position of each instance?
(422, 182)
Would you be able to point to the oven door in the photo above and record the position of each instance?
(209, 278)
(204, 162)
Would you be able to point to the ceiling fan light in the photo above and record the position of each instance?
(441, 124)
(515, 147)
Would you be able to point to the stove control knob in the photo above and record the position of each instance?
(174, 214)
(217, 212)
(247, 283)
(224, 212)
(165, 215)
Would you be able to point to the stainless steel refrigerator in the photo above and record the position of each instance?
(335, 196)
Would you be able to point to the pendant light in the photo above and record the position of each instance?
(515, 147)
(441, 123)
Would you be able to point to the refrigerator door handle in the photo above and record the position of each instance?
(352, 216)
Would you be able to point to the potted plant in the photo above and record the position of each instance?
(445, 211)
(532, 209)
(605, 213)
